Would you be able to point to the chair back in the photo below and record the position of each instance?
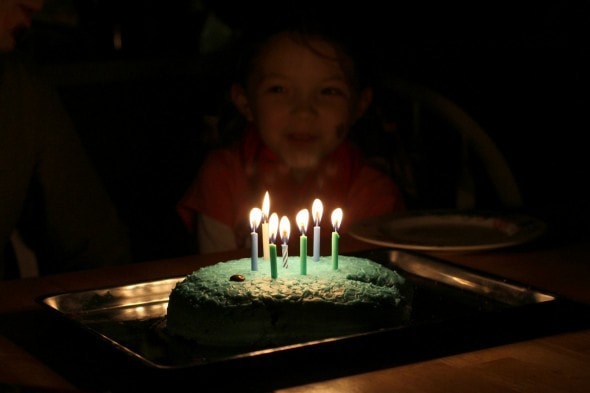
(441, 149)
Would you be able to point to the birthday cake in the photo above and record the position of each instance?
(229, 304)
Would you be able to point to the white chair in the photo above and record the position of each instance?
(432, 120)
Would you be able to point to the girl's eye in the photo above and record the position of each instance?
(276, 89)
(332, 91)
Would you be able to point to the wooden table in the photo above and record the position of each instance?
(558, 362)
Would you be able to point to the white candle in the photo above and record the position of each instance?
(302, 220)
(317, 209)
(285, 230)
(336, 222)
(255, 217)
(265, 234)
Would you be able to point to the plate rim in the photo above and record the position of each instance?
(367, 230)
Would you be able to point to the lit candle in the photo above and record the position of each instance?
(285, 230)
(336, 221)
(265, 213)
(317, 209)
(302, 221)
(273, 227)
(255, 217)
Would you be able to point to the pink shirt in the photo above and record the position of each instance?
(232, 181)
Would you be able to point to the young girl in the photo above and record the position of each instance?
(301, 93)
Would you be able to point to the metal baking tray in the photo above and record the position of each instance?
(132, 318)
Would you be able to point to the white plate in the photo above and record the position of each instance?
(448, 231)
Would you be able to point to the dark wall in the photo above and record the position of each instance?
(521, 71)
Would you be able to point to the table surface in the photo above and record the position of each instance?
(558, 361)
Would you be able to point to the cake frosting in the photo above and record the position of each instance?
(228, 304)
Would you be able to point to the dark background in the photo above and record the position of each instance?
(140, 107)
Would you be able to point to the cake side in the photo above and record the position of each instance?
(210, 308)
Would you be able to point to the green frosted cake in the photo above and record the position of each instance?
(228, 304)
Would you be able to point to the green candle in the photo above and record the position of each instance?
(336, 221)
(335, 238)
(273, 260)
(303, 254)
(273, 227)
(302, 219)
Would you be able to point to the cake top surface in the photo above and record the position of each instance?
(356, 281)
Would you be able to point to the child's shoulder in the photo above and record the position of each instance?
(225, 157)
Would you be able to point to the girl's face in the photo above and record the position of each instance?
(14, 16)
(301, 98)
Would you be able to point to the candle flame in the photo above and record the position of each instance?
(302, 220)
(336, 219)
(317, 209)
(285, 229)
(255, 218)
(273, 226)
(265, 207)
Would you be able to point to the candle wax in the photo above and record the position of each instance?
(335, 238)
(285, 254)
(265, 241)
(303, 254)
(316, 243)
(273, 260)
(254, 254)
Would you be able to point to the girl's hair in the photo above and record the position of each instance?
(349, 45)
(353, 46)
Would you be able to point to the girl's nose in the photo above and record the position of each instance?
(304, 105)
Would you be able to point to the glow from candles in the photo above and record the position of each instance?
(317, 209)
(285, 231)
(302, 220)
(273, 227)
(265, 213)
(336, 222)
(255, 217)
